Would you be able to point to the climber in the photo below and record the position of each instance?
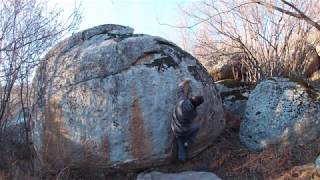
(183, 122)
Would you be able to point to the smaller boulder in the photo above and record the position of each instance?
(304, 58)
(311, 62)
(16, 155)
(227, 68)
(315, 76)
(281, 111)
(187, 175)
(317, 162)
(318, 48)
(15, 129)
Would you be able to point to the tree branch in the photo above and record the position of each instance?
(299, 14)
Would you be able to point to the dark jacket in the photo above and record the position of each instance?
(183, 115)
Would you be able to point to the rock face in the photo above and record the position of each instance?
(317, 162)
(315, 76)
(104, 98)
(188, 175)
(280, 111)
(227, 68)
(306, 60)
(234, 95)
(311, 62)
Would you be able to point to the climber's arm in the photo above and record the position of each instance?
(184, 89)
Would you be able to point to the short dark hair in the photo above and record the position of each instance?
(196, 100)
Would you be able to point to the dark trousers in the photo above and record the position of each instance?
(186, 138)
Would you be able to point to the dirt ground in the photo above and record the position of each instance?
(228, 159)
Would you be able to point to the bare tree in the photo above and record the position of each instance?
(27, 29)
(296, 11)
(264, 38)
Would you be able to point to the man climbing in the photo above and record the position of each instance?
(184, 114)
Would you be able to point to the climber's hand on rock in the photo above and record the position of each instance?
(185, 82)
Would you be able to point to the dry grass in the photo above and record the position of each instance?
(233, 161)
(229, 160)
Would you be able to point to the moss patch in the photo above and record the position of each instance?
(121, 37)
(194, 71)
(163, 63)
(299, 81)
(232, 83)
(311, 91)
(271, 79)
(235, 93)
(177, 51)
(215, 74)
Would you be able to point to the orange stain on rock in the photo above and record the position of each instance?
(139, 142)
(54, 153)
(60, 151)
(106, 148)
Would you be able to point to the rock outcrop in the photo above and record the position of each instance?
(311, 62)
(227, 68)
(305, 59)
(187, 175)
(280, 111)
(234, 95)
(317, 162)
(104, 99)
(315, 76)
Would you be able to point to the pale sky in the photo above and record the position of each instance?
(144, 16)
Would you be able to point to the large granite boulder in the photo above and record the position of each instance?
(104, 99)
(187, 175)
(281, 111)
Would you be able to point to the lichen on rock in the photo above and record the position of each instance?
(280, 111)
(234, 95)
(104, 99)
